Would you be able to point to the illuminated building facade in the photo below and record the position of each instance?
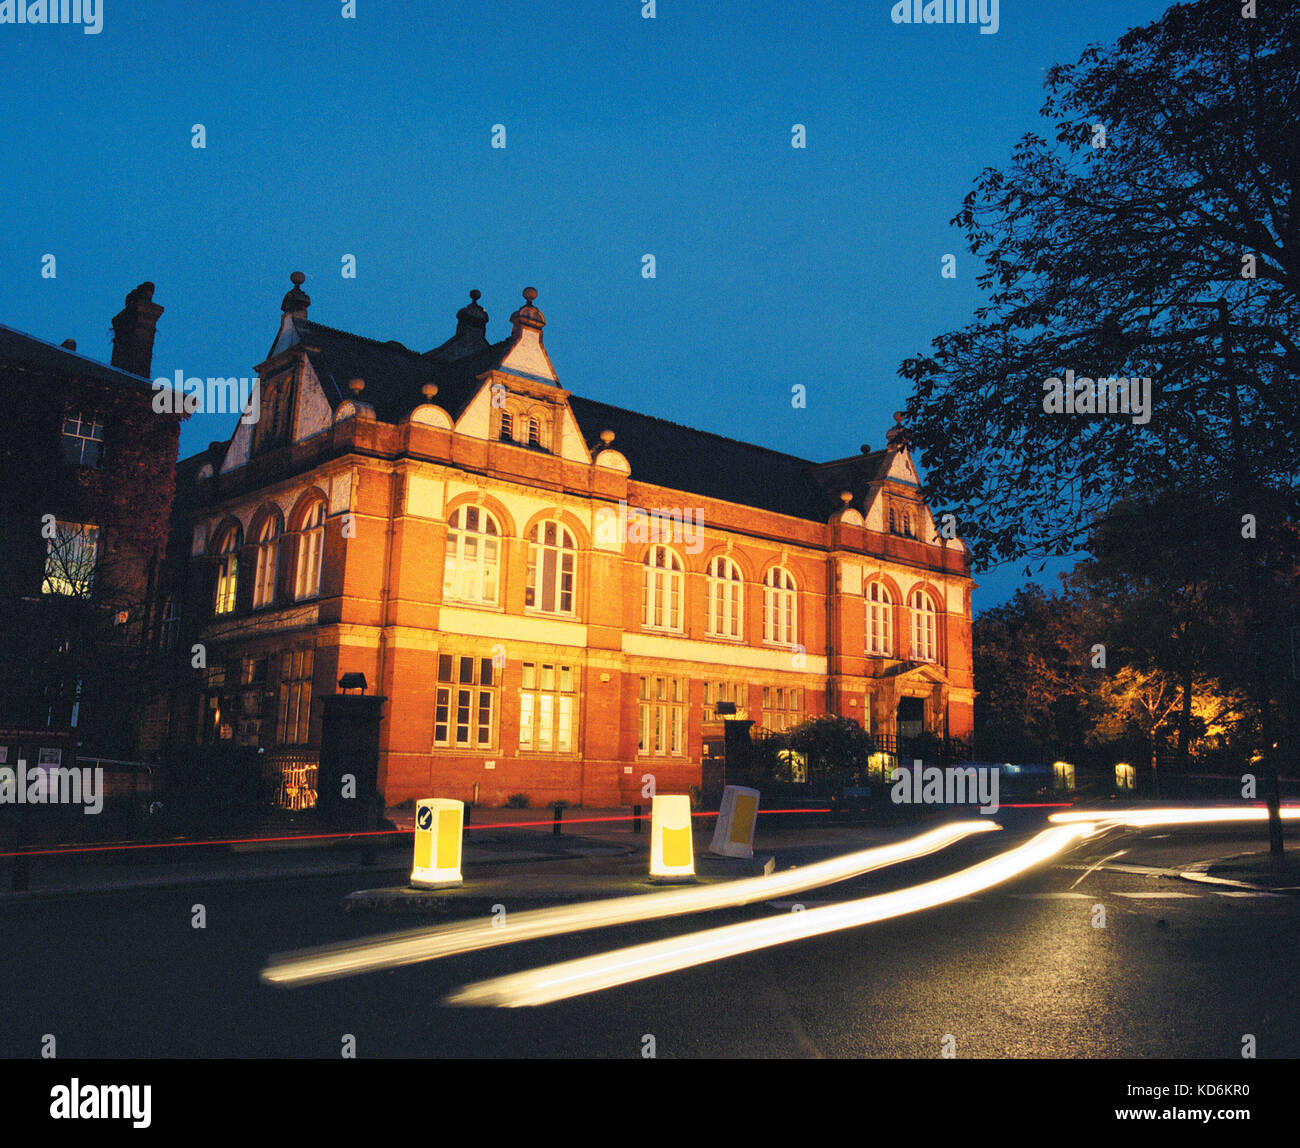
(553, 593)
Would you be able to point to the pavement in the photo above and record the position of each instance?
(509, 852)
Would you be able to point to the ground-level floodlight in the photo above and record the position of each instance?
(672, 855)
(1125, 777)
(438, 826)
(1063, 776)
(733, 835)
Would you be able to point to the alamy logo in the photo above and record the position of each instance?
(919, 784)
(981, 12)
(52, 785)
(667, 525)
(1108, 396)
(77, 1101)
(180, 395)
(88, 13)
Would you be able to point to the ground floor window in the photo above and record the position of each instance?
(715, 692)
(662, 717)
(465, 707)
(547, 707)
(782, 707)
(296, 668)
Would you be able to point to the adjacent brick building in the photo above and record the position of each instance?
(552, 592)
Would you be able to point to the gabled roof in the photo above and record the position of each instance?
(18, 347)
(394, 374)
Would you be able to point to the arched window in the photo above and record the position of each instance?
(507, 432)
(471, 571)
(925, 629)
(551, 560)
(880, 621)
(268, 551)
(780, 607)
(907, 523)
(726, 595)
(311, 545)
(227, 571)
(534, 432)
(661, 590)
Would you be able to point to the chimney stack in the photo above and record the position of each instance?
(134, 328)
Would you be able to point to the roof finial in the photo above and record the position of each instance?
(356, 386)
(296, 301)
(607, 437)
(528, 315)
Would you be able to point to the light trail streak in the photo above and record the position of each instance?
(413, 946)
(607, 970)
(1145, 818)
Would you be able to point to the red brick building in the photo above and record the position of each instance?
(552, 592)
(88, 472)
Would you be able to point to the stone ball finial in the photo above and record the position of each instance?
(898, 417)
(846, 496)
(356, 386)
(607, 437)
(429, 390)
(530, 293)
(297, 278)
(476, 294)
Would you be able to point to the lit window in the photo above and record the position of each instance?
(268, 549)
(311, 545)
(227, 571)
(880, 621)
(465, 703)
(662, 717)
(551, 559)
(661, 590)
(726, 595)
(780, 608)
(296, 668)
(83, 439)
(547, 707)
(70, 559)
(473, 553)
(924, 627)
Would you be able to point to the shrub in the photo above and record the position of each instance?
(517, 801)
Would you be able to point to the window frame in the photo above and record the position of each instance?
(879, 617)
(480, 567)
(924, 628)
(565, 550)
(663, 590)
(725, 599)
(780, 608)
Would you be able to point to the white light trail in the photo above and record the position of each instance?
(606, 970)
(1145, 818)
(413, 946)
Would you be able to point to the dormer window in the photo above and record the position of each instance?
(534, 432)
(507, 432)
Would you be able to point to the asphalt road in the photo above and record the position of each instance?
(1177, 970)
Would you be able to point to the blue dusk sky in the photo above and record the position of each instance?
(372, 137)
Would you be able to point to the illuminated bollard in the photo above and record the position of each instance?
(438, 823)
(1125, 777)
(1063, 776)
(733, 836)
(672, 855)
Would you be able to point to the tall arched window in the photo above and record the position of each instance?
(661, 590)
(268, 551)
(534, 432)
(780, 607)
(471, 572)
(880, 621)
(925, 629)
(227, 571)
(311, 545)
(507, 431)
(551, 560)
(726, 595)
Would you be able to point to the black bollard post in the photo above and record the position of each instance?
(555, 823)
(636, 819)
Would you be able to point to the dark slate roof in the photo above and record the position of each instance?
(682, 458)
(18, 347)
(660, 452)
(394, 374)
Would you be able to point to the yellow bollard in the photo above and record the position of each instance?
(733, 836)
(438, 824)
(672, 855)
